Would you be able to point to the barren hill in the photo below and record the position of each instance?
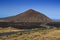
(29, 16)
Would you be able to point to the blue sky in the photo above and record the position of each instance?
(51, 8)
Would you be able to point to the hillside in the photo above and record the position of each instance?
(29, 16)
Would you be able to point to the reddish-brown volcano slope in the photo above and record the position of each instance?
(29, 16)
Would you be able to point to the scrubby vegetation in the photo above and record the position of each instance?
(35, 34)
(8, 29)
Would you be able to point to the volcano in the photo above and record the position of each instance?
(29, 16)
(26, 20)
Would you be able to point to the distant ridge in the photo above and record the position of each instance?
(29, 16)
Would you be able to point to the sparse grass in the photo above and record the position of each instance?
(46, 34)
(9, 29)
